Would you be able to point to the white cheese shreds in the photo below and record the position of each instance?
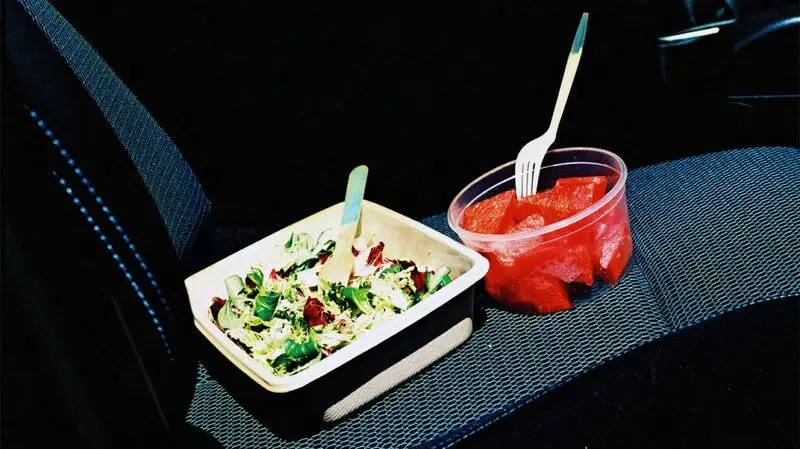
(273, 314)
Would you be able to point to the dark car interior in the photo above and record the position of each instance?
(144, 140)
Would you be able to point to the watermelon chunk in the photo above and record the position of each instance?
(567, 198)
(592, 187)
(553, 205)
(530, 223)
(612, 251)
(542, 279)
(581, 197)
(538, 293)
(564, 259)
(496, 278)
(546, 204)
(491, 215)
(612, 244)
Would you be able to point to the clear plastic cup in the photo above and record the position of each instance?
(546, 269)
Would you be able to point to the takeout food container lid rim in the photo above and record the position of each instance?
(464, 234)
(363, 344)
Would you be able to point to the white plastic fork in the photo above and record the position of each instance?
(529, 159)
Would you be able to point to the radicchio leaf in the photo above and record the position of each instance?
(375, 257)
(419, 280)
(315, 314)
(216, 305)
(405, 264)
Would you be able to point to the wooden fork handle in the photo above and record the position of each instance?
(569, 74)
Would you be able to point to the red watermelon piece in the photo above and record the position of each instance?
(530, 223)
(491, 215)
(596, 186)
(546, 204)
(496, 278)
(612, 251)
(612, 244)
(565, 259)
(538, 280)
(538, 293)
(567, 198)
(553, 205)
(519, 289)
(581, 197)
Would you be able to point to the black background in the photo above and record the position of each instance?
(273, 104)
(731, 382)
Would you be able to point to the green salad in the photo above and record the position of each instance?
(288, 319)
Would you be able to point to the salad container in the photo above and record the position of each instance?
(601, 232)
(384, 356)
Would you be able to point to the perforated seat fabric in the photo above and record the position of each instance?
(712, 234)
(175, 190)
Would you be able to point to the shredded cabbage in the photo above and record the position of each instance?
(313, 318)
